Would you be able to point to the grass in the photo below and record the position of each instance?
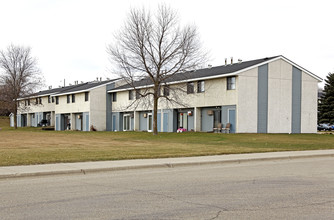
(35, 146)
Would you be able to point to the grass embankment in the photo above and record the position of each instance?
(34, 146)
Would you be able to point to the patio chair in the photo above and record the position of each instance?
(218, 128)
(227, 128)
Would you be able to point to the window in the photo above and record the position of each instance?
(49, 99)
(131, 96)
(86, 96)
(190, 87)
(40, 100)
(53, 99)
(28, 101)
(25, 102)
(68, 98)
(138, 94)
(36, 101)
(231, 83)
(114, 97)
(73, 98)
(57, 100)
(200, 86)
(166, 91)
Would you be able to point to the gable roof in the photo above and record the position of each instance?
(211, 73)
(83, 87)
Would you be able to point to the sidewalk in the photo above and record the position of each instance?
(85, 167)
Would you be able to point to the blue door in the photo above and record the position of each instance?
(57, 123)
(159, 122)
(231, 119)
(87, 122)
(165, 125)
(114, 122)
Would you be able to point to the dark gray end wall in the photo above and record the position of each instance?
(109, 107)
(296, 100)
(262, 102)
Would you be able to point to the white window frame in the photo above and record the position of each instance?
(129, 118)
(200, 86)
(148, 122)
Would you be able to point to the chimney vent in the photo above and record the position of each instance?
(209, 66)
(239, 60)
(225, 61)
(231, 60)
(100, 78)
(50, 87)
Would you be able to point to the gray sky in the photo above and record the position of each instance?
(69, 37)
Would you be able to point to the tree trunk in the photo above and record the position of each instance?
(155, 113)
(155, 116)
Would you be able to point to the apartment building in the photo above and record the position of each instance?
(76, 107)
(268, 95)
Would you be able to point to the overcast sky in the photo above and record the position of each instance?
(69, 37)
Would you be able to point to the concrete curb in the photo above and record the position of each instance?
(100, 166)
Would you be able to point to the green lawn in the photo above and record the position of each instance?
(34, 146)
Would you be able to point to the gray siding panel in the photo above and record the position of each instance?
(109, 123)
(296, 100)
(262, 102)
(108, 112)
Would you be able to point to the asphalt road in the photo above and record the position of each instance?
(289, 189)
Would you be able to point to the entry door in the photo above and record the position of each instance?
(183, 120)
(165, 125)
(126, 123)
(78, 122)
(159, 122)
(149, 122)
(114, 122)
(231, 119)
(216, 118)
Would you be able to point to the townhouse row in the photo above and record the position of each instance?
(269, 95)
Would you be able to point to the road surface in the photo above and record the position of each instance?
(287, 189)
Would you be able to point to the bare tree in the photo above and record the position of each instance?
(155, 48)
(19, 76)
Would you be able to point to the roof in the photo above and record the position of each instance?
(83, 87)
(213, 72)
(70, 89)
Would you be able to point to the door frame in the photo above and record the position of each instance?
(129, 120)
(148, 122)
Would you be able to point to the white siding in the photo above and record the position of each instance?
(247, 101)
